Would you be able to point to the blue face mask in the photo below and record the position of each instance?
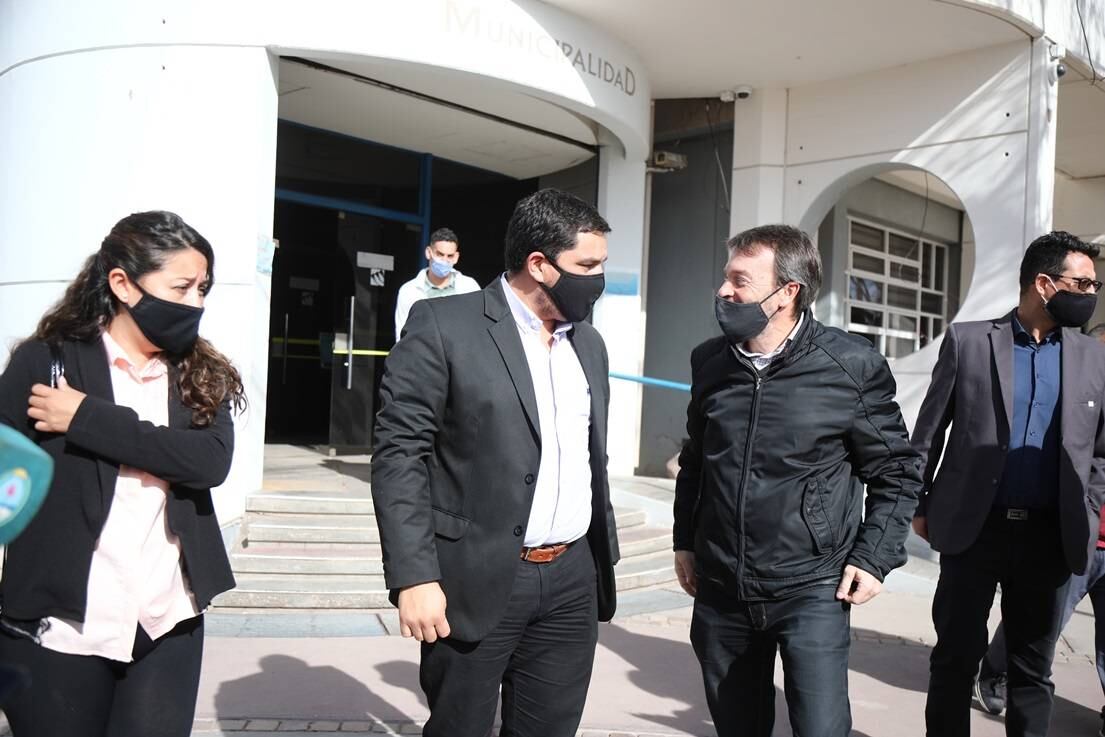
(440, 269)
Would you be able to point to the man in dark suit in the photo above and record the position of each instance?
(1017, 497)
(489, 481)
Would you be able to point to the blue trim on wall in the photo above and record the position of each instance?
(336, 203)
(622, 283)
(647, 381)
(425, 190)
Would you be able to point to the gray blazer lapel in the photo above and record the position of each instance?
(504, 331)
(588, 356)
(1071, 371)
(1001, 348)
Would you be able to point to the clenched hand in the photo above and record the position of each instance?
(857, 586)
(53, 409)
(422, 612)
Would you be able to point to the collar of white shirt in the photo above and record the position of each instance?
(760, 360)
(524, 316)
(116, 356)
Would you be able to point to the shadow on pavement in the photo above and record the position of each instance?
(899, 664)
(906, 666)
(666, 669)
(361, 471)
(289, 688)
(402, 674)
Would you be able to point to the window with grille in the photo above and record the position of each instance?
(897, 288)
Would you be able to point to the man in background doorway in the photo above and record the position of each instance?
(440, 278)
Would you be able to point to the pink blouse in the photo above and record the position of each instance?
(136, 577)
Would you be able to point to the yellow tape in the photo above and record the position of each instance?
(337, 351)
(345, 352)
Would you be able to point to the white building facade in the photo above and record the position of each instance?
(121, 106)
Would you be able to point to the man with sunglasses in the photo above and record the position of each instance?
(1017, 497)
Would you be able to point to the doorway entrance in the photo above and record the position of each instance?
(351, 219)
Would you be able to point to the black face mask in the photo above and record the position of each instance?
(741, 321)
(575, 294)
(1070, 309)
(170, 326)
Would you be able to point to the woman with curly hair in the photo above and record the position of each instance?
(102, 596)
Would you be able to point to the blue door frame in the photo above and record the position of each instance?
(425, 189)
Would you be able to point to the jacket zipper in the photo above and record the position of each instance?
(755, 413)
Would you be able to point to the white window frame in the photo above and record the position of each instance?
(929, 324)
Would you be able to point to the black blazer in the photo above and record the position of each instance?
(972, 390)
(457, 452)
(46, 573)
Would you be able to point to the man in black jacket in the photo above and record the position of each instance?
(788, 419)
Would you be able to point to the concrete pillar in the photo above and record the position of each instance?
(759, 159)
(1043, 105)
(619, 314)
(94, 135)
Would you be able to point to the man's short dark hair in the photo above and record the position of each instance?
(796, 259)
(444, 234)
(1048, 255)
(548, 221)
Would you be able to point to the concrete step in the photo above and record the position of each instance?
(308, 503)
(351, 528)
(627, 518)
(330, 562)
(644, 570)
(347, 582)
(321, 529)
(277, 591)
(642, 540)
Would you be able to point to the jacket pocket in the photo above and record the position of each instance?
(448, 525)
(816, 516)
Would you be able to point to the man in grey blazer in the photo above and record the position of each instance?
(1013, 497)
(489, 482)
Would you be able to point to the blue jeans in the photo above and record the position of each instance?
(736, 643)
(1091, 582)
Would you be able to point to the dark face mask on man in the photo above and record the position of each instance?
(170, 326)
(575, 294)
(742, 321)
(1070, 309)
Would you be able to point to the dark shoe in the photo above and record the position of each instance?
(1101, 732)
(990, 692)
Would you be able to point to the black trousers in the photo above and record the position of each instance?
(1026, 558)
(736, 643)
(153, 696)
(540, 654)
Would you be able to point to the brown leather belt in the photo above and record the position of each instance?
(545, 553)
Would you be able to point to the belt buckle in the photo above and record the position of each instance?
(1016, 514)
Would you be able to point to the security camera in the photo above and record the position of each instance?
(1056, 72)
(743, 92)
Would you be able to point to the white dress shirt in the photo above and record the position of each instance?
(561, 510)
(135, 576)
(420, 287)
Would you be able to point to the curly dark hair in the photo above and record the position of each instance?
(140, 244)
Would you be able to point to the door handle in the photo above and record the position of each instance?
(349, 345)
